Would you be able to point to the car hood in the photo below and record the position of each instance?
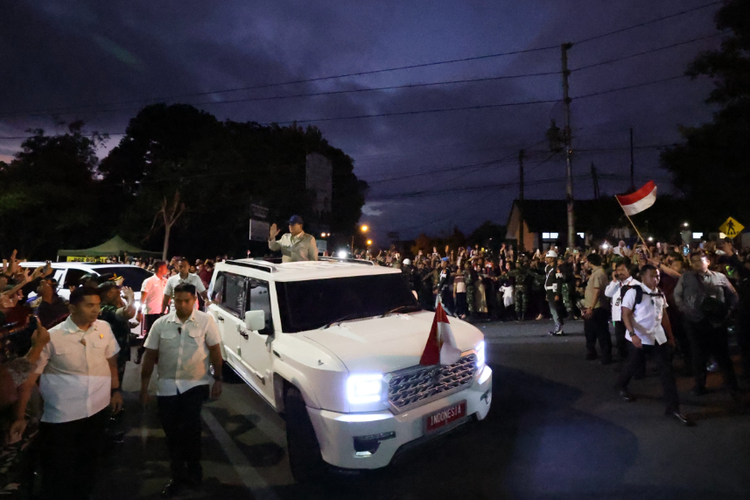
(388, 344)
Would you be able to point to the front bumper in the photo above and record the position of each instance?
(336, 432)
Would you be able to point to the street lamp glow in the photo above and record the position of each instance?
(322, 235)
(650, 238)
(685, 224)
(364, 228)
(369, 242)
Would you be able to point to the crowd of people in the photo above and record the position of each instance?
(695, 296)
(63, 363)
(676, 304)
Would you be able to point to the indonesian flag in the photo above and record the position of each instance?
(441, 345)
(639, 201)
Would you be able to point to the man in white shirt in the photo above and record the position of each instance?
(614, 291)
(650, 333)
(184, 276)
(183, 341)
(152, 297)
(81, 389)
(296, 245)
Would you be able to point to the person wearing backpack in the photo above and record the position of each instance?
(650, 334)
(706, 299)
(622, 281)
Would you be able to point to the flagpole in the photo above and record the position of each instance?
(631, 221)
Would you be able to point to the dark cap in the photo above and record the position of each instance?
(107, 286)
(296, 219)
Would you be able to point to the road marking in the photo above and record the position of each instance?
(246, 472)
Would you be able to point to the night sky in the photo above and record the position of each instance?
(102, 61)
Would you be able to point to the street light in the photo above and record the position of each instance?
(369, 242)
(363, 229)
(685, 224)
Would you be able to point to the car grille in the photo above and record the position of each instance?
(419, 385)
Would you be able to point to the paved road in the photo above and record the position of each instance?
(556, 431)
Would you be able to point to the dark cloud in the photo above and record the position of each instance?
(66, 53)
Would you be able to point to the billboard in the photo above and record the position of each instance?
(259, 230)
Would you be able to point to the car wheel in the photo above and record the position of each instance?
(304, 451)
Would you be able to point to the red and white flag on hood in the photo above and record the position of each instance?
(639, 201)
(441, 345)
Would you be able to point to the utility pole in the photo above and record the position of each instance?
(521, 247)
(596, 181)
(632, 162)
(568, 148)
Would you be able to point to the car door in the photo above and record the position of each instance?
(227, 294)
(256, 351)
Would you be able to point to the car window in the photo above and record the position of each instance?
(305, 305)
(233, 297)
(258, 298)
(73, 276)
(216, 289)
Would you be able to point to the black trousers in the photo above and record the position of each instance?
(662, 356)
(707, 340)
(597, 328)
(181, 419)
(621, 343)
(70, 456)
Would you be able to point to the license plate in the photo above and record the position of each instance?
(445, 416)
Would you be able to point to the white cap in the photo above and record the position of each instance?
(552, 254)
(407, 262)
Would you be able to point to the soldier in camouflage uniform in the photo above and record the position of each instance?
(568, 286)
(469, 279)
(520, 275)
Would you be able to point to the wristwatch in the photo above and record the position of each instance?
(113, 391)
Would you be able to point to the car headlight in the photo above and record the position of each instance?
(480, 354)
(361, 389)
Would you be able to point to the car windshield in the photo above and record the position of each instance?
(133, 275)
(306, 305)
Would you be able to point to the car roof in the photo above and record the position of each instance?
(304, 271)
(77, 265)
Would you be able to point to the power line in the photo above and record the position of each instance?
(651, 51)
(628, 87)
(295, 82)
(646, 23)
(323, 93)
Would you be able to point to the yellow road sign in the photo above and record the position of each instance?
(731, 228)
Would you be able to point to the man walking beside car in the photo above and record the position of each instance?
(152, 295)
(184, 342)
(183, 276)
(79, 385)
(296, 245)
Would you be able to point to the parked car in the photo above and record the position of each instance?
(334, 347)
(68, 274)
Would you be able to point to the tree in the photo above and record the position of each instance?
(219, 171)
(712, 167)
(50, 198)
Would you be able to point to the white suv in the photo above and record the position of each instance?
(335, 346)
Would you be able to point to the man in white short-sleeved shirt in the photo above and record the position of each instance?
(622, 278)
(79, 385)
(183, 276)
(184, 342)
(650, 333)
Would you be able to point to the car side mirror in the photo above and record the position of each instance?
(255, 320)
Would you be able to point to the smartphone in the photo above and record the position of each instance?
(685, 251)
